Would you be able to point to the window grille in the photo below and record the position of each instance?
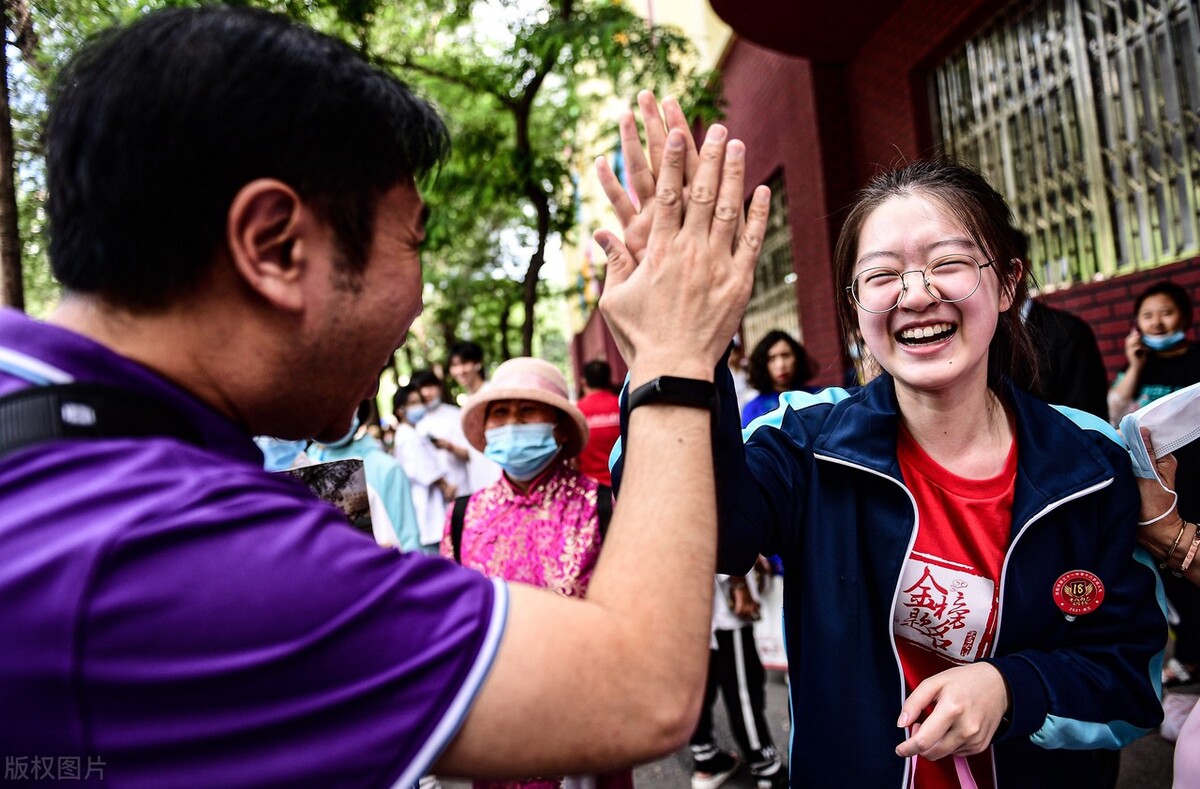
(1084, 114)
(773, 301)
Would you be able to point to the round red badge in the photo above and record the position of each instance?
(1078, 592)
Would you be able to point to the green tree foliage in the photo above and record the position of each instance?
(519, 83)
(41, 34)
(537, 71)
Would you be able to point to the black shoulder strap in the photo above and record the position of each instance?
(604, 507)
(456, 526)
(70, 411)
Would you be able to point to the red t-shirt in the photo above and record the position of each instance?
(603, 413)
(945, 614)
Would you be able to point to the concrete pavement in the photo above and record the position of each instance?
(1145, 764)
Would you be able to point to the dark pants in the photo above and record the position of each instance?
(1185, 599)
(735, 668)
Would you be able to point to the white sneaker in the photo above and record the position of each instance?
(712, 772)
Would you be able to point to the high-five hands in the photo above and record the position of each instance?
(673, 304)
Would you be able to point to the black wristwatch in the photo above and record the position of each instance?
(668, 389)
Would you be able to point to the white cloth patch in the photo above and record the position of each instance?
(943, 607)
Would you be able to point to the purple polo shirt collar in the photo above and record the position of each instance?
(86, 360)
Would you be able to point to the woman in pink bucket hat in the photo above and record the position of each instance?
(541, 522)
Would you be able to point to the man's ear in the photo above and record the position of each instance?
(262, 229)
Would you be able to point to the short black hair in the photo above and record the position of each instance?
(467, 351)
(400, 400)
(365, 413)
(154, 127)
(597, 374)
(423, 378)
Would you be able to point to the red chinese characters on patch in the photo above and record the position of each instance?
(944, 607)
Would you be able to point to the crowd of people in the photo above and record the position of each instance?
(972, 574)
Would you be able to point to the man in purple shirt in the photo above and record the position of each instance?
(233, 210)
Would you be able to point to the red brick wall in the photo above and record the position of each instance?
(771, 105)
(889, 119)
(1108, 305)
(889, 108)
(596, 342)
(831, 127)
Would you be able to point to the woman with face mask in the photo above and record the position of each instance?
(419, 459)
(539, 523)
(1160, 359)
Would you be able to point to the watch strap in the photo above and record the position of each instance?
(667, 389)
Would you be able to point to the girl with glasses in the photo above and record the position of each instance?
(965, 604)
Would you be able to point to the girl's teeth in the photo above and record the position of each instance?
(923, 332)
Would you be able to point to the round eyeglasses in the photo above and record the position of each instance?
(949, 279)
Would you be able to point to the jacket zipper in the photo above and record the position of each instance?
(1008, 554)
(908, 763)
(1003, 570)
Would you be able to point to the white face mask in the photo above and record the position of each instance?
(1173, 421)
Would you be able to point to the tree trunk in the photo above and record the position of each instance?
(536, 260)
(533, 189)
(12, 291)
(505, 318)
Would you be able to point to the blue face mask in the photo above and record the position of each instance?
(415, 413)
(1162, 342)
(279, 454)
(523, 451)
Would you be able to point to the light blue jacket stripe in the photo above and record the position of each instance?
(1085, 421)
(35, 371)
(1076, 735)
(795, 401)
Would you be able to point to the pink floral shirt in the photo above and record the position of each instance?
(547, 537)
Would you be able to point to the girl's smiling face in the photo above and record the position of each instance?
(925, 344)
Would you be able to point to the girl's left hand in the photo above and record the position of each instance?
(968, 703)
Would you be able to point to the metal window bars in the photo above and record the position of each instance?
(1085, 114)
(773, 302)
